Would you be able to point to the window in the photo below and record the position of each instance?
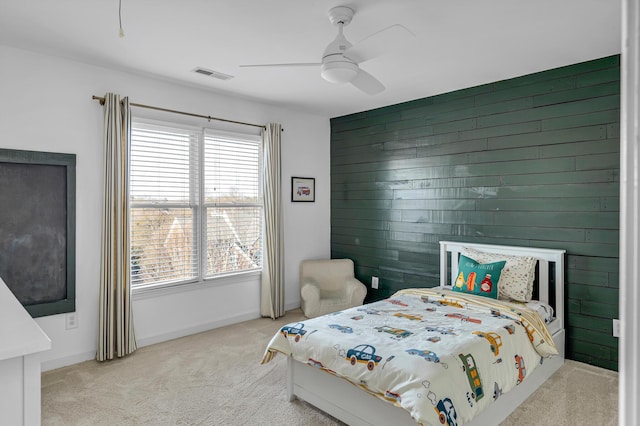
(195, 204)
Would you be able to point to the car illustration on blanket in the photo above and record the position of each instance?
(469, 367)
(412, 317)
(314, 363)
(528, 328)
(296, 330)
(522, 371)
(364, 354)
(441, 330)
(446, 412)
(447, 302)
(464, 318)
(426, 354)
(343, 328)
(370, 311)
(397, 333)
(392, 396)
(494, 339)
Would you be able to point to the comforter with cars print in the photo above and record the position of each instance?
(440, 355)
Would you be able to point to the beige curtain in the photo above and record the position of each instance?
(115, 328)
(272, 294)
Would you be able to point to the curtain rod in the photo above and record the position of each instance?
(208, 117)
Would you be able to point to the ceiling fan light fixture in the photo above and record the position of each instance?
(339, 71)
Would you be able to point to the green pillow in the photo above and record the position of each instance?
(478, 278)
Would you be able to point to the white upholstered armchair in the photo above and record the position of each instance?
(329, 286)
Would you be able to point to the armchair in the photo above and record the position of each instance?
(329, 286)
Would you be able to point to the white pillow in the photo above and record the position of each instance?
(516, 281)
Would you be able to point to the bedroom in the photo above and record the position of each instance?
(47, 92)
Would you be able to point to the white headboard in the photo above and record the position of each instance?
(545, 258)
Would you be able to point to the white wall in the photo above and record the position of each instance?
(45, 105)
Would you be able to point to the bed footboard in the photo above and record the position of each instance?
(340, 398)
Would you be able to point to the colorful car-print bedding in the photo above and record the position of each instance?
(442, 356)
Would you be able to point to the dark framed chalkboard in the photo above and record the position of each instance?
(37, 229)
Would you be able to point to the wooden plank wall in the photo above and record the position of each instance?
(530, 161)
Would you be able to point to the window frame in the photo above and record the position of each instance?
(199, 208)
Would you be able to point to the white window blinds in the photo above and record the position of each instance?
(163, 204)
(233, 204)
(195, 204)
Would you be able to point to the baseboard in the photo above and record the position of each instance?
(199, 328)
(54, 364)
(292, 306)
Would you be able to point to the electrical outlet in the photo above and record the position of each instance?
(616, 328)
(374, 282)
(71, 320)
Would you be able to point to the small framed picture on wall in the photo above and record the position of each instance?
(303, 189)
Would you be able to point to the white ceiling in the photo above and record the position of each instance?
(457, 44)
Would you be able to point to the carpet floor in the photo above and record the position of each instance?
(215, 378)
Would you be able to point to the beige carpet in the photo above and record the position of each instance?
(195, 381)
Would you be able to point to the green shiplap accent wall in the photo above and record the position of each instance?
(531, 161)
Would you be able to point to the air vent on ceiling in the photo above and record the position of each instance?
(211, 73)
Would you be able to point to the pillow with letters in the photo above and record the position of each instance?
(478, 278)
(517, 277)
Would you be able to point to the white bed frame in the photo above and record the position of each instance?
(347, 402)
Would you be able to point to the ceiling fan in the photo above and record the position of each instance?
(341, 60)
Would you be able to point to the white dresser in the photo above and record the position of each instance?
(21, 340)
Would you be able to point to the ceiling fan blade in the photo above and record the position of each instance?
(301, 64)
(367, 83)
(385, 40)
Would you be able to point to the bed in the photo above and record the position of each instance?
(450, 357)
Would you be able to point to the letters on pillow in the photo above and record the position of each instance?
(478, 278)
(516, 281)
